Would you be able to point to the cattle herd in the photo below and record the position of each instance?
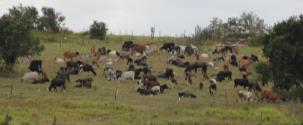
(139, 71)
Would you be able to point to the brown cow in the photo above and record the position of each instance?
(140, 48)
(271, 96)
(70, 55)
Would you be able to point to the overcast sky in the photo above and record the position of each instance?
(170, 17)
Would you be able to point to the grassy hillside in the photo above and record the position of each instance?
(33, 105)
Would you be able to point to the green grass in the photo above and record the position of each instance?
(34, 105)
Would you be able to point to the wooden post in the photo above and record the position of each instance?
(11, 89)
(261, 119)
(55, 121)
(116, 93)
(226, 101)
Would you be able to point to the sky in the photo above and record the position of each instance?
(170, 17)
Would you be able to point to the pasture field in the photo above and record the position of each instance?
(31, 104)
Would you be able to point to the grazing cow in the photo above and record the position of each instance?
(151, 48)
(87, 68)
(57, 82)
(125, 75)
(35, 65)
(30, 76)
(140, 48)
(246, 95)
(128, 45)
(212, 86)
(272, 96)
(223, 49)
(186, 95)
(233, 60)
(70, 55)
(141, 61)
(109, 73)
(169, 73)
(84, 82)
(243, 82)
(168, 46)
(63, 73)
(195, 66)
(223, 74)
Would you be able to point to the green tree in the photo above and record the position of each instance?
(98, 30)
(16, 40)
(284, 46)
(50, 20)
(28, 14)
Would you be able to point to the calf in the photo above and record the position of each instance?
(109, 73)
(212, 86)
(247, 95)
(85, 82)
(125, 75)
(186, 95)
(159, 88)
(30, 76)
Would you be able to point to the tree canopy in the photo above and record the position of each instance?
(98, 30)
(284, 46)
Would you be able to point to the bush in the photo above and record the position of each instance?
(98, 30)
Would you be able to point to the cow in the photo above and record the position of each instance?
(140, 48)
(44, 78)
(151, 48)
(109, 73)
(159, 88)
(247, 95)
(127, 45)
(186, 95)
(57, 82)
(195, 66)
(233, 60)
(223, 74)
(212, 86)
(125, 75)
(84, 82)
(59, 60)
(170, 46)
(70, 55)
(87, 68)
(141, 61)
(168, 74)
(271, 96)
(243, 82)
(130, 61)
(35, 65)
(30, 76)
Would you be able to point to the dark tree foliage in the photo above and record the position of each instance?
(27, 14)
(16, 40)
(50, 20)
(98, 30)
(284, 48)
(264, 72)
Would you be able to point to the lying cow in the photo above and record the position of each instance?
(186, 95)
(125, 75)
(84, 82)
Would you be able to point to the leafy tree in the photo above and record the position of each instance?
(50, 20)
(16, 40)
(26, 13)
(284, 46)
(98, 30)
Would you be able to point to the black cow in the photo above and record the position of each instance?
(35, 65)
(243, 82)
(186, 95)
(102, 51)
(189, 50)
(84, 82)
(87, 68)
(169, 73)
(128, 45)
(254, 58)
(223, 74)
(233, 60)
(170, 46)
(130, 61)
(57, 82)
(195, 66)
